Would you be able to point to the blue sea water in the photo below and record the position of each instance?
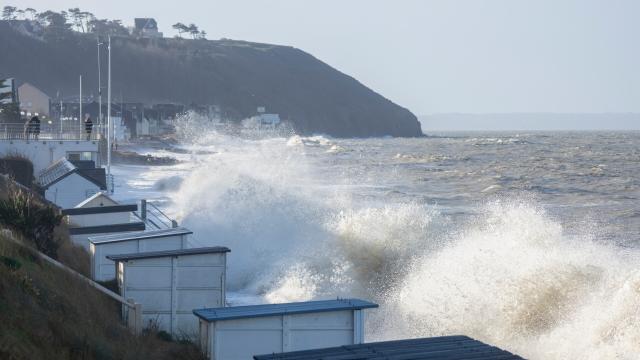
(530, 241)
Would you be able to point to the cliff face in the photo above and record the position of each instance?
(238, 76)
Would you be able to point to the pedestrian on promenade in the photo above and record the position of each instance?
(88, 126)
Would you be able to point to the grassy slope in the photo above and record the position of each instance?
(46, 313)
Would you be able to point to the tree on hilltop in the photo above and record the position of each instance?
(31, 11)
(182, 28)
(193, 30)
(8, 13)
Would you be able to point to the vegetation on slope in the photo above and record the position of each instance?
(46, 313)
(235, 76)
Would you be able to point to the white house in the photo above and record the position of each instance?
(170, 284)
(100, 247)
(239, 332)
(66, 185)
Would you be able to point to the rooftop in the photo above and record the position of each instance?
(444, 347)
(139, 235)
(106, 197)
(166, 253)
(55, 171)
(63, 168)
(252, 311)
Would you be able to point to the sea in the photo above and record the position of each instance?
(529, 241)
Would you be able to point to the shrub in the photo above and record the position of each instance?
(18, 167)
(36, 221)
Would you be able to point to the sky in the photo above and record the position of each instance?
(435, 56)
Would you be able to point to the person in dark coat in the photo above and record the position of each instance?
(33, 128)
(36, 127)
(88, 126)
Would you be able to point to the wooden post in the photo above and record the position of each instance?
(134, 317)
(143, 210)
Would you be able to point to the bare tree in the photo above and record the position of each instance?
(203, 35)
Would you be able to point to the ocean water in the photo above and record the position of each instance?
(529, 241)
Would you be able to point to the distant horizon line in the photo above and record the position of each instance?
(533, 113)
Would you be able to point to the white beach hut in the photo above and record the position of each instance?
(170, 284)
(84, 214)
(239, 332)
(100, 247)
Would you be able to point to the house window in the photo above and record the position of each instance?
(83, 155)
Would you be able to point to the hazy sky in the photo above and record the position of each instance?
(436, 56)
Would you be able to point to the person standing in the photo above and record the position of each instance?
(36, 127)
(88, 126)
(32, 128)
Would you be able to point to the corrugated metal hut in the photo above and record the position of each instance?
(170, 284)
(100, 247)
(242, 331)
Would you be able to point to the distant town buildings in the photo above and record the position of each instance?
(33, 100)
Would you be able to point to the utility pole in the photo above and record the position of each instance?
(80, 117)
(109, 121)
(99, 89)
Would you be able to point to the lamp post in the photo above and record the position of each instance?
(109, 120)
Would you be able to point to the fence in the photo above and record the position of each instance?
(46, 131)
(151, 215)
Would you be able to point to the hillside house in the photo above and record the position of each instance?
(146, 27)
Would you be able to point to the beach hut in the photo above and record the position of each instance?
(170, 284)
(84, 214)
(100, 247)
(240, 332)
(443, 347)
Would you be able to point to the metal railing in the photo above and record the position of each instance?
(151, 215)
(46, 131)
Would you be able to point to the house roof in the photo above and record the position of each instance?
(55, 171)
(93, 197)
(63, 168)
(444, 347)
(146, 23)
(166, 253)
(252, 311)
(139, 235)
(28, 85)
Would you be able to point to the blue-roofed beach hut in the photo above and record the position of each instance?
(240, 332)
